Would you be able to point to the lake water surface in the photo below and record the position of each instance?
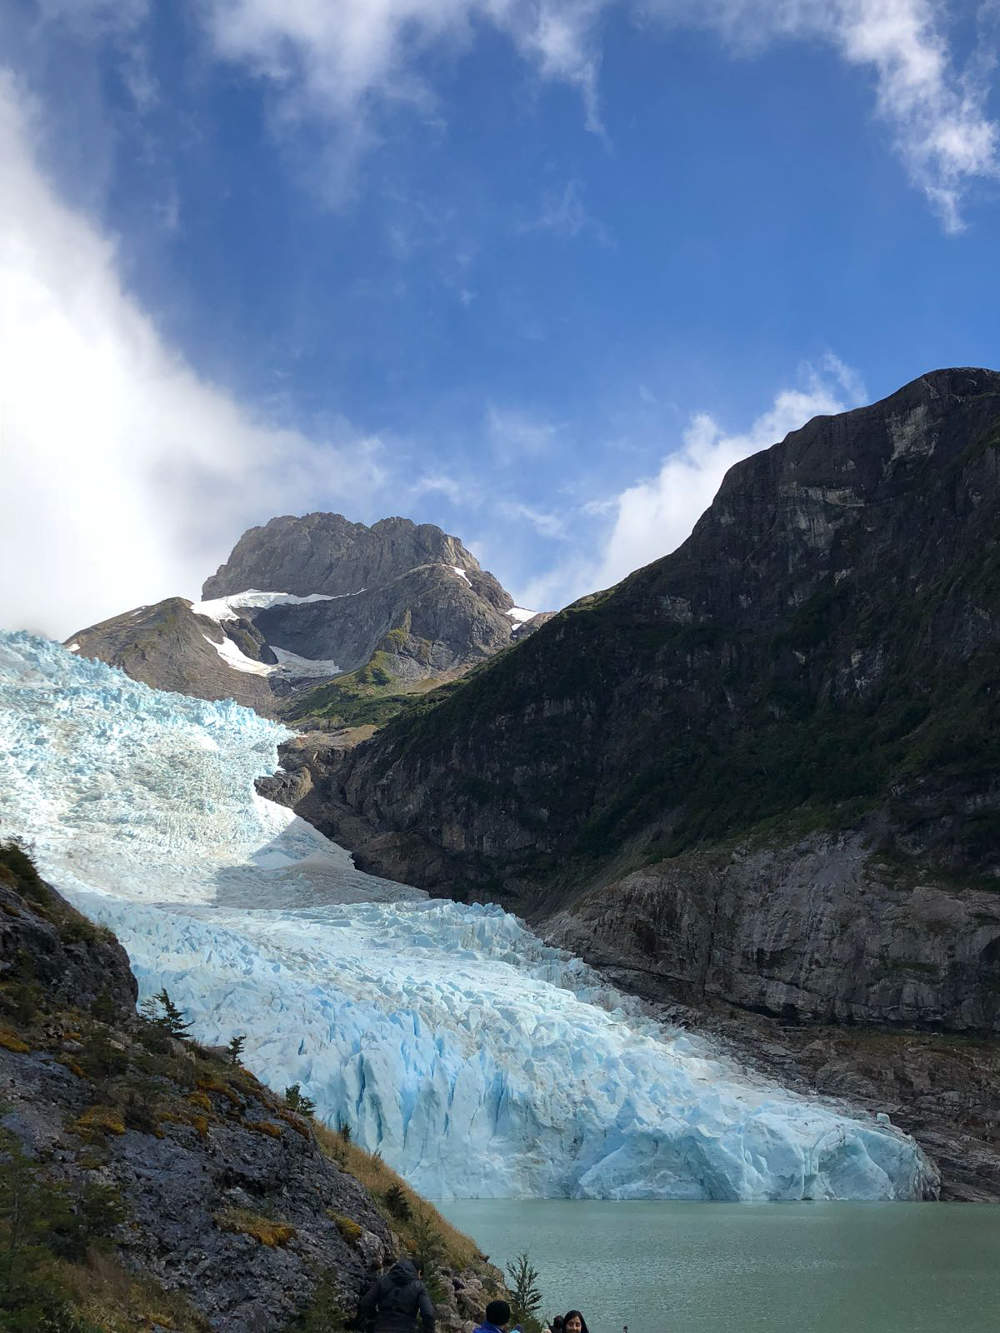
(746, 1268)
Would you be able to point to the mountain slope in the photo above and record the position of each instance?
(307, 600)
(817, 661)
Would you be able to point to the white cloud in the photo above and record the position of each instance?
(545, 523)
(344, 61)
(936, 115)
(126, 476)
(341, 61)
(564, 213)
(515, 434)
(651, 518)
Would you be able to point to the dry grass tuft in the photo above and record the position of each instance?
(100, 1119)
(262, 1229)
(460, 1251)
(348, 1228)
(110, 1298)
(295, 1121)
(265, 1127)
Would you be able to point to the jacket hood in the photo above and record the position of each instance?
(403, 1272)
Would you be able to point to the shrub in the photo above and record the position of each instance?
(101, 1058)
(325, 1312)
(525, 1298)
(140, 1114)
(163, 1013)
(103, 1006)
(23, 1000)
(295, 1100)
(101, 1120)
(428, 1251)
(397, 1202)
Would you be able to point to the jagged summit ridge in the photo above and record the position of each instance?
(327, 553)
(397, 606)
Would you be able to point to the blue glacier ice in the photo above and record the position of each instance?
(479, 1060)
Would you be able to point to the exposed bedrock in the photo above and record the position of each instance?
(816, 932)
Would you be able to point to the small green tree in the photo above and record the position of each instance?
(103, 1006)
(397, 1202)
(163, 1013)
(428, 1250)
(296, 1100)
(234, 1051)
(526, 1299)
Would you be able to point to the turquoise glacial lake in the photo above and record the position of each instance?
(752, 1268)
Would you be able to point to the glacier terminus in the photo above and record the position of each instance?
(480, 1061)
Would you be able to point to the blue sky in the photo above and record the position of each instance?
(535, 270)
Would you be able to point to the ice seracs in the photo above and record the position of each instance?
(476, 1058)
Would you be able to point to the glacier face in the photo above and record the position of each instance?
(479, 1060)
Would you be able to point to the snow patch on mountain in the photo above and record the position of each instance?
(294, 665)
(477, 1059)
(221, 609)
(238, 660)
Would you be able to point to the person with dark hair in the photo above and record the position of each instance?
(574, 1322)
(391, 1304)
(497, 1318)
(557, 1324)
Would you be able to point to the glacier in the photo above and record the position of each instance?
(480, 1061)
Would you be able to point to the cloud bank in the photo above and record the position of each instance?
(126, 474)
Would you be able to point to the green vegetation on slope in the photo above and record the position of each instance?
(616, 727)
(369, 696)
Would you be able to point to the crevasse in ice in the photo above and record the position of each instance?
(479, 1060)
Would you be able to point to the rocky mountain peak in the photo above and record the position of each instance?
(327, 553)
(385, 611)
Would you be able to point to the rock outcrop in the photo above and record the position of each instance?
(327, 553)
(163, 1181)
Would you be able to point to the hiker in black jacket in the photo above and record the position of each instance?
(391, 1304)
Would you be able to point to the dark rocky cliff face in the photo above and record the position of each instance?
(160, 1185)
(807, 687)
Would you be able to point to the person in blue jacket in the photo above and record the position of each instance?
(497, 1318)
